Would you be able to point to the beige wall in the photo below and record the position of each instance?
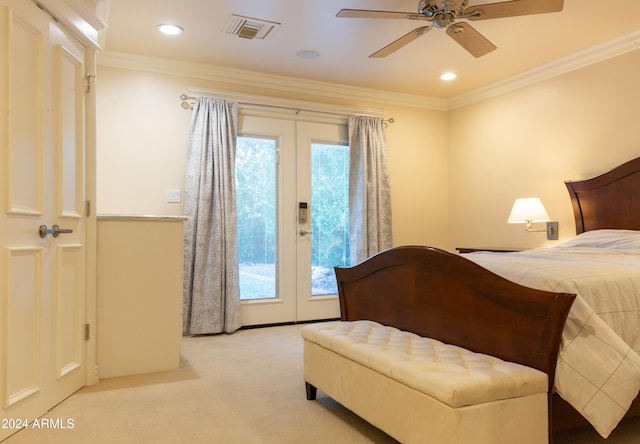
(454, 174)
(142, 136)
(528, 142)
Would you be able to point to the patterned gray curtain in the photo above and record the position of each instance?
(369, 189)
(211, 289)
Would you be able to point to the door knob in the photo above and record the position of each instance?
(54, 231)
(303, 232)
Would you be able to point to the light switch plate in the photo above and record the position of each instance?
(173, 195)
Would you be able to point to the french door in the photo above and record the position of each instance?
(292, 182)
(42, 195)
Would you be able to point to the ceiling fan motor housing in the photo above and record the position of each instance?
(426, 7)
(431, 7)
(442, 12)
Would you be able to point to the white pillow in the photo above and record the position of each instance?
(611, 239)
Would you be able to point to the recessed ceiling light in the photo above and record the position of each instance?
(308, 54)
(170, 29)
(448, 76)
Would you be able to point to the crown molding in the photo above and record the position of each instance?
(235, 76)
(579, 59)
(602, 51)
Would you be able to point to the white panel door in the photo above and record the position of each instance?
(42, 195)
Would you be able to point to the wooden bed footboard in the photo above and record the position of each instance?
(437, 294)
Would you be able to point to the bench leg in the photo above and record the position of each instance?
(311, 391)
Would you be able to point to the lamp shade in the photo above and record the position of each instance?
(528, 209)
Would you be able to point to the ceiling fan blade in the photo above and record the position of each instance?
(512, 9)
(402, 41)
(365, 13)
(470, 39)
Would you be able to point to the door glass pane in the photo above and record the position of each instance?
(329, 215)
(256, 208)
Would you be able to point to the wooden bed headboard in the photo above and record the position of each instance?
(610, 200)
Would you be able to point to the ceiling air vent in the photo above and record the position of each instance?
(249, 28)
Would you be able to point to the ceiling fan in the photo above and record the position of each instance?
(445, 14)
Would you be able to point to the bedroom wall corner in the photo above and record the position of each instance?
(527, 142)
(419, 169)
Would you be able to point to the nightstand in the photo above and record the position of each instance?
(463, 250)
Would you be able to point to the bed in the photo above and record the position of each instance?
(598, 370)
(597, 376)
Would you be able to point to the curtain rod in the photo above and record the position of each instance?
(186, 105)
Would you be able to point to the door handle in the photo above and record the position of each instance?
(54, 231)
(303, 232)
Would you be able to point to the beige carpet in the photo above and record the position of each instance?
(240, 388)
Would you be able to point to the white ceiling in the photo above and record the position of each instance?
(344, 44)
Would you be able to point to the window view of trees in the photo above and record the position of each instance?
(256, 213)
(256, 197)
(329, 215)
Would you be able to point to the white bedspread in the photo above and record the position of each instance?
(598, 370)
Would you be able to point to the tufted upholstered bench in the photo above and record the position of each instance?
(420, 390)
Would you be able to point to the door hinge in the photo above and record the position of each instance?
(88, 78)
(87, 208)
(87, 332)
